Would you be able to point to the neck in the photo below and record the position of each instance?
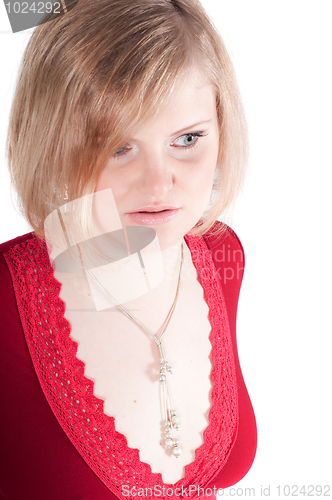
(127, 280)
(171, 259)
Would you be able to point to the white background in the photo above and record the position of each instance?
(282, 56)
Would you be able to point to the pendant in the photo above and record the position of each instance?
(171, 419)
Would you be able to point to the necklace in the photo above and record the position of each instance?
(170, 417)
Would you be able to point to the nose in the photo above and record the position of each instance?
(156, 177)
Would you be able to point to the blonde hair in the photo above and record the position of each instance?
(94, 73)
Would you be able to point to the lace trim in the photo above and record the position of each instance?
(70, 394)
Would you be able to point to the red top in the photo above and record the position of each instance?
(56, 441)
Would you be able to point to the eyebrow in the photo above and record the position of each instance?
(192, 126)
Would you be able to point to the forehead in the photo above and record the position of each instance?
(192, 100)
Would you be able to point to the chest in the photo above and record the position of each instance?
(123, 362)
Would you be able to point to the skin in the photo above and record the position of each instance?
(156, 167)
(160, 165)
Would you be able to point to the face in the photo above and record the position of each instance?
(162, 177)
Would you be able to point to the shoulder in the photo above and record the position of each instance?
(16, 257)
(221, 234)
(226, 251)
(7, 245)
(9, 318)
(5, 277)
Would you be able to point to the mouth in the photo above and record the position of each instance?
(152, 211)
(153, 215)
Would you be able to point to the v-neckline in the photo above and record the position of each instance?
(70, 394)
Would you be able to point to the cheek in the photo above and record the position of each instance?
(103, 180)
(109, 179)
(205, 179)
(203, 175)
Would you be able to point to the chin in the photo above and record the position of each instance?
(170, 236)
(167, 235)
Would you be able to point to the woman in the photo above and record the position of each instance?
(127, 111)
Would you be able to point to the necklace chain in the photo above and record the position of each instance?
(170, 417)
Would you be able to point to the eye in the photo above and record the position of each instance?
(187, 140)
(122, 151)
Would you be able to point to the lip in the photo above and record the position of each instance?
(154, 208)
(153, 215)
